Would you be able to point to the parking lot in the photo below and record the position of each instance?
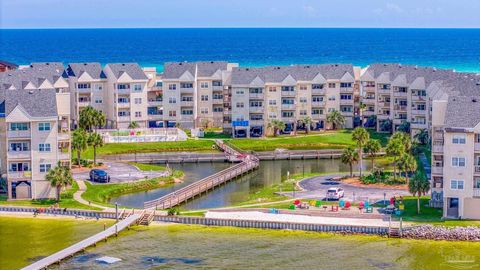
(122, 172)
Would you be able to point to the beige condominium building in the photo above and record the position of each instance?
(290, 94)
(192, 94)
(88, 84)
(126, 95)
(34, 128)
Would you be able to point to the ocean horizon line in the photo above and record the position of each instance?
(242, 27)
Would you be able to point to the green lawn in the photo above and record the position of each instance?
(148, 167)
(328, 140)
(102, 193)
(149, 147)
(66, 201)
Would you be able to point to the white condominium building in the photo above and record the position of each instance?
(290, 94)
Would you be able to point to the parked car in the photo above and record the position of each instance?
(101, 176)
(335, 193)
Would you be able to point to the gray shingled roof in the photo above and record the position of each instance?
(174, 70)
(93, 69)
(132, 69)
(37, 103)
(276, 74)
(462, 112)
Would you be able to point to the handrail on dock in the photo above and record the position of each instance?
(247, 163)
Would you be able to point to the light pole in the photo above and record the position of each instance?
(116, 211)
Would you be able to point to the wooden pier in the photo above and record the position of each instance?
(82, 245)
(246, 163)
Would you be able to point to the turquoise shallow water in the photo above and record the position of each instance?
(446, 48)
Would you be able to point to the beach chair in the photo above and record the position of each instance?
(341, 203)
(318, 203)
(292, 207)
(347, 205)
(312, 203)
(334, 208)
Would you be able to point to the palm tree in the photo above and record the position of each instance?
(89, 118)
(336, 119)
(419, 186)
(349, 156)
(276, 125)
(408, 163)
(133, 125)
(79, 142)
(422, 136)
(361, 136)
(307, 121)
(361, 108)
(95, 140)
(59, 177)
(99, 119)
(372, 147)
(395, 149)
(404, 138)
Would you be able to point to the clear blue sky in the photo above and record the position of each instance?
(243, 13)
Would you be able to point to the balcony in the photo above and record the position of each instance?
(369, 101)
(257, 122)
(477, 147)
(217, 101)
(123, 119)
(368, 113)
(318, 104)
(318, 92)
(63, 136)
(400, 94)
(217, 88)
(187, 117)
(17, 134)
(123, 91)
(155, 117)
(256, 96)
(399, 121)
(382, 116)
(419, 112)
(384, 91)
(415, 125)
(63, 154)
(186, 90)
(401, 107)
(384, 104)
(288, 106)
(288, 93)
(186, 104)
(123, 105)
(346, 101)
(19, 154)
(346, 113)
(476, 192)
(437, 170)
(155, 102)
(418, 98)
(437, 148)
(260, 109)
(288, 119)
(319, 116)
(438, 136)
(26, 175)
(83, 103)
(84, 90)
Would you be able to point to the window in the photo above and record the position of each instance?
(19, 126)
(187, 98)
(317, 86)
(123, 86)
(331, 98)
(172, 100)
(303, 87)
(138, 114)
(272, 115)
(256, 103)
(204, 85)
(288, 114)
(317, 111)
(331, 110)
(239, 92)
(303, 112)
(303, 100)
(204, 110)
(98, 101)
(255, 90)
(98, 87)
(456, 184)
(138, 100)
(44, 147)
(123, 100)
(137, 87)
(217, 96)
(256, 117)
(123, 113)
(272, 102)
(172, 113)
(332, 85)
(217, 109)
(287, 101)
(18, 146)
(240, 105)
(43, 126)
(186, 85)
(346, 97)
(288, 88)
(204, 97)
(172, 86)
(45, 167)
(83, 86)
(458, 162)
(476, 183)
(216, 83)
(345, 85)
(346, 108)
(317, 98)
(459, 139)
(19, 167)
(272, 89)
(187, 112)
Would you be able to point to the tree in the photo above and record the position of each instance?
(349, 156)
(79, 142)
(372, 147)
(422, 136)
(205, 123)
(404, 127)
(418, 186)
(336, 119)
(59, 177)
(404, 138)
(395, 149)
(276, 125)
(361, 108)
(307, 121)
(99, 119)
(95, 140)
(386, 125)
(408, 163)
(360, 136)
(133, 125)
(90, 118)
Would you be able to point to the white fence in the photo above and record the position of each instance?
(143, 135)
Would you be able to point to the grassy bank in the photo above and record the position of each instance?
(66, 201)
(149, 147)
(148, 167)
(327, 140)
(101, 194)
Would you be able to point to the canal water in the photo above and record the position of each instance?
(198, 247)
(238, 190)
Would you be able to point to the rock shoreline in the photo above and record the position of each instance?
(431, 232)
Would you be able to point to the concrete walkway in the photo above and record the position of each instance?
(78, 197)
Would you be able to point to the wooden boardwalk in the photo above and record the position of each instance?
(246, 164)
(82, 245)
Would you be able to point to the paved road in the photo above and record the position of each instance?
(316, 188)
(122, 172)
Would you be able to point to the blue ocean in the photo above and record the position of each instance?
(442, 48)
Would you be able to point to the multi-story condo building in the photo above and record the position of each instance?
(87, 83)
(126, 95)
(193, 93)
(290, 94)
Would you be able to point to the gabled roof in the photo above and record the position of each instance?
(37, 103)
(462, 112)
(93, 69)
(174, 70)
(132, 69)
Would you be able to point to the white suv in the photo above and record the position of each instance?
(335, 193)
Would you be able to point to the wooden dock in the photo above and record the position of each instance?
(82, 245)
(246, 164)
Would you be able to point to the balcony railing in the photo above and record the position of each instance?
(419, 112)
(123, 119)
(217, 88)
(123, 105)
(186, 103)
(217, 101)
(477, 169)
(476, 192)
(288, 106)
(318, 92)
(257, 109)
(418, 125)
(346, 101)
(438, 148)
(256, 96)
(401, 107)
(155, 102)
(318, 104)
(19, 154)
(257, 122)
(418, 98)
(26, 175)
(288, 93)
(399, 94)
(370, 101)
(346, 113)
(437, 170)
(19, 134)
